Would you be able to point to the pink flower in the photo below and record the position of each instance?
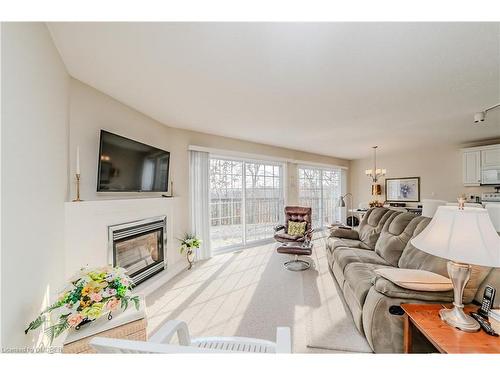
(74, 320)
(96, 297)
(112, 303)
(111, 292)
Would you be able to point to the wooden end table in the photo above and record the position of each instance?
(446, 339)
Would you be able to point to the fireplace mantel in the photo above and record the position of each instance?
(86, 231)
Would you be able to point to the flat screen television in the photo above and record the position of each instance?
(130, 166)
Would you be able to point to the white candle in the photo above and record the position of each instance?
(77, 159)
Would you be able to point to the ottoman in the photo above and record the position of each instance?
(296, 249)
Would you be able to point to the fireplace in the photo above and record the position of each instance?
(139, 247)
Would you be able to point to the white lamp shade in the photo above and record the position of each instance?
(464, 236)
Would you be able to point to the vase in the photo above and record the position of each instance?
(190, 257)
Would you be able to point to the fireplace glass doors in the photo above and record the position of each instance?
(139, 247)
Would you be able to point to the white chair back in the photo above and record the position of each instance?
(118, 346)
(160, 342)
(429, 206)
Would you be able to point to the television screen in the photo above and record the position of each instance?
(127, 165)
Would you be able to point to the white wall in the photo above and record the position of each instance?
(35, 89)
(91, 110)
(87, 225)
(439, 169)
(45, 115)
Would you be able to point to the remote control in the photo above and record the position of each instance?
(485, 325)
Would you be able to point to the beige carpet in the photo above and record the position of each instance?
(249, 293)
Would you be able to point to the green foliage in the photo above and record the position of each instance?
(36, 323)
(124, 303)
(189, 241)
(55, 330)
(135, 299)
(121, 290)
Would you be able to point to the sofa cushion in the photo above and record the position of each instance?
(360, 278)
(421, 280)
(395, 234)
(354, 307)
(338, 274)
(345, 256)
(286, 237)
(414, 258)
(389, 289)
(372, 224)
(344, 233)
(334, 243)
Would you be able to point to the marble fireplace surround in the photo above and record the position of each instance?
(86, 233)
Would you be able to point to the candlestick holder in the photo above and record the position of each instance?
(77, 199)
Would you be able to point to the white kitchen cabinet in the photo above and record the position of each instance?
(472, 168)
(490, 158)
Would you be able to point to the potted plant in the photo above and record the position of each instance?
(91, 294)
(189, 243)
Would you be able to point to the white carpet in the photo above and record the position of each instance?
(249, 293)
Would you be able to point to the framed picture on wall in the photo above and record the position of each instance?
(402, 189)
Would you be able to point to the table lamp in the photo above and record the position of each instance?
(464, 236)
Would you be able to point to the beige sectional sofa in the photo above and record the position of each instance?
(383, 240)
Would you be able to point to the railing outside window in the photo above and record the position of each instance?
(246, 201)
(320, 189)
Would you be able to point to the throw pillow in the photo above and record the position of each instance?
(296, 228)
(416, 279)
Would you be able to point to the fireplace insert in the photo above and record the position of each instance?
(139, 247)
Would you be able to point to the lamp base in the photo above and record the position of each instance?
(456, 317)
(459, 274)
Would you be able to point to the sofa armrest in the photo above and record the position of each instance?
(390, 289)
(345, 233)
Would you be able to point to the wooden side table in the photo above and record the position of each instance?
(446, 339)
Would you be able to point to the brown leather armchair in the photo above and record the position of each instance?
(295, 213)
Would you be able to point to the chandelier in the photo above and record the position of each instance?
(375, 173)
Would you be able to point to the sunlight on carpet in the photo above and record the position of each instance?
(249, 293)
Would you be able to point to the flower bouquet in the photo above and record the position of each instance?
(89, 295)
(188, 243)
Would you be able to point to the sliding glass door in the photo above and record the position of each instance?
(320, 189)
(246, 201)
(263, 200)
(226, 197)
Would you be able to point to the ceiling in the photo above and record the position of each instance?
(330, 88)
